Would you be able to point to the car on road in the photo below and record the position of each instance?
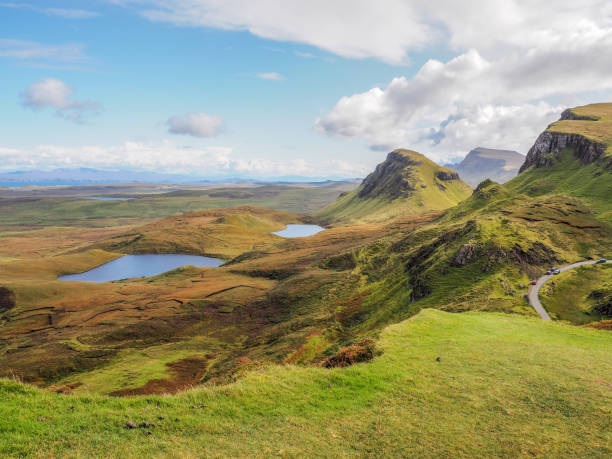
(601, 260)
(548, 272)
(534, 282)
(556, 271)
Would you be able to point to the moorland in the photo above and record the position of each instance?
(417, 275)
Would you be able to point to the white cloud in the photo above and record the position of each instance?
(389, 29)
(55, 94)
(216, 161)
(31, 50)
(448, 108)
(271, 76)
(196, 125)
(517, 62)
(67, 13)
(385, 29)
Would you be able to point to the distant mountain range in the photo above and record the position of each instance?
(88, 176)
(487, 163)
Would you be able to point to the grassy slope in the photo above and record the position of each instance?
(427, 197)
(545, 391)
(590, 183)
(568, 298)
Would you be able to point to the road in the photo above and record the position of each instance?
(534, 290)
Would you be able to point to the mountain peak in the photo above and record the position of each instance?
(482, 163)
(405, 183)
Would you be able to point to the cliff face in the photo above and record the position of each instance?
(548, 145)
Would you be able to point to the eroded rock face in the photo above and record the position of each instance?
(447, 175)
(570, 115)
(7, 299)
(464, 255)
(547, 146)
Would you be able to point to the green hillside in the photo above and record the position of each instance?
(406, 183)
(544, 391)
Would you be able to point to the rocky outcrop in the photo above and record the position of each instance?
(447, 175)
(7, 299)
(549, 144)
(570, 115)
(464, 255)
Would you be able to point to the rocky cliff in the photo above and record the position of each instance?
(549, 144)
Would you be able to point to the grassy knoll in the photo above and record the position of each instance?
(505, 386)
(570, 295)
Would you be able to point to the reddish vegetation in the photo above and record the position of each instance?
(186, 373)
(362, 351)
(66, 389)
(294, 357)
(349, 309)
(603, 325)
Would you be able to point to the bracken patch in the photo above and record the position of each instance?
(362, 351)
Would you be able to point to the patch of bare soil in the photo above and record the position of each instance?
(185, 373)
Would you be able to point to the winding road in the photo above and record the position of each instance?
(534, 290)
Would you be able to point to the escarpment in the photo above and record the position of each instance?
(549, 144)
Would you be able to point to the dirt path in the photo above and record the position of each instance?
(534, 290)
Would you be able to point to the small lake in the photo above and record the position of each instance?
(130, 266)
(299, 231)
(97, 198)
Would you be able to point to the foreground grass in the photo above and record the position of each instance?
(505, 386)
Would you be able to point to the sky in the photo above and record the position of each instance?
(288, 88)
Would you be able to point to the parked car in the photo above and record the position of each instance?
(601, 260)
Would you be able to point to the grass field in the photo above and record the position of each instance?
(506, 386)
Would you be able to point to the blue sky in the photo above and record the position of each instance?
(288, 91)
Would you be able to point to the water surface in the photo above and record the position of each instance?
(130, 266)
(299, 230)
(99, 198)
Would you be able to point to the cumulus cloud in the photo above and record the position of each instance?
(386, 29)
(67, 13)
(272, 76)
(196, 125)
(215, 161)
(55, 94)
(448, 108)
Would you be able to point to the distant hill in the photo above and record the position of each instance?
(88, 176)
(406, 183)
(487, 163)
